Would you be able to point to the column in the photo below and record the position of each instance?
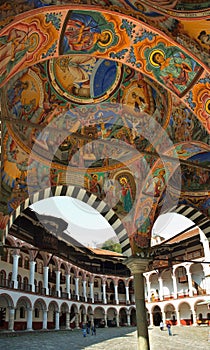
(44, 323)
(45, 272)
(151, 319)
(138, 267)
(92, 291)
(116, 292)
(77, 287)
(31, 276)
(68, 285)
(67, 320)
(160, 280)
(11, 319)
(104, 293)
(194, 317)
(148, 289)
(29, 319)
(189, 276)
(57, 320)
(127, 294)
(105, 319)
(91, 320)
(163, 317)
(77, 320)
(117, 320)
(84, 290)
(174, 285)
(178, 317)
(58, 273)
(128, 318)
(15, 270)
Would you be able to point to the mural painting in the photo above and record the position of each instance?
(106, 102)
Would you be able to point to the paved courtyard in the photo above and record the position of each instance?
(184, 338)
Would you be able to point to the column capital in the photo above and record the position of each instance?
(137, 264)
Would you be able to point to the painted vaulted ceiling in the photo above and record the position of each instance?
(111, 97)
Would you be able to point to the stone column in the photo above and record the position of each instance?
(11, 319)
(174, 285)
(68, 285)
(151, 318)
(15, 270)
(57, 320)
(160, 280)
(127, 294)
(116, 292)
(104, 293)
(92, 291)
(77, 320)
(58, 274)
(163, 317)
(31, 276)
(117, 320)
(29, 319)
(84, 290)
(178, 317)
(105, 319)
(67, 320)
(138, 266)
(148, 289)
(44, 323)
(45, 271)
(128, 318)
(77, 287)
(194, 317)
(189, 276)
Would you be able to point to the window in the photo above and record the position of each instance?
(36, 313)
(26, 263)
(22, 312)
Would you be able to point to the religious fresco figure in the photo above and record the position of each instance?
(126, 195)
(17, 46)
(143, 228)
(84, 32)
(172, 67)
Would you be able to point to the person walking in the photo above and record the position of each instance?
(93, 329)
(161, 326)
(84, 332)
(169, 328)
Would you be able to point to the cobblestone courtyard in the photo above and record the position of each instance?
(184, 338)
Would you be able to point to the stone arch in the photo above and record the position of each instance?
(196, 216)
(81, 194)
(7, 300)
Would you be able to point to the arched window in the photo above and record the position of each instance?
(10, 258)
(20, 261)
(26, 263)
(36, 312)
(22, 312)
(4, 255)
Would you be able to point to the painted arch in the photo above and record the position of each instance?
(93, 99)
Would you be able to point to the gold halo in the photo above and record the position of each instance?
(207, 106)
(122, 179)
(34, 40)
(110, 40)
(161, 52)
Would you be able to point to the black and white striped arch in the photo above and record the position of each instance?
(84, 196)
(196, 216)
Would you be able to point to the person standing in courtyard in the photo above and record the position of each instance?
(169, 328)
